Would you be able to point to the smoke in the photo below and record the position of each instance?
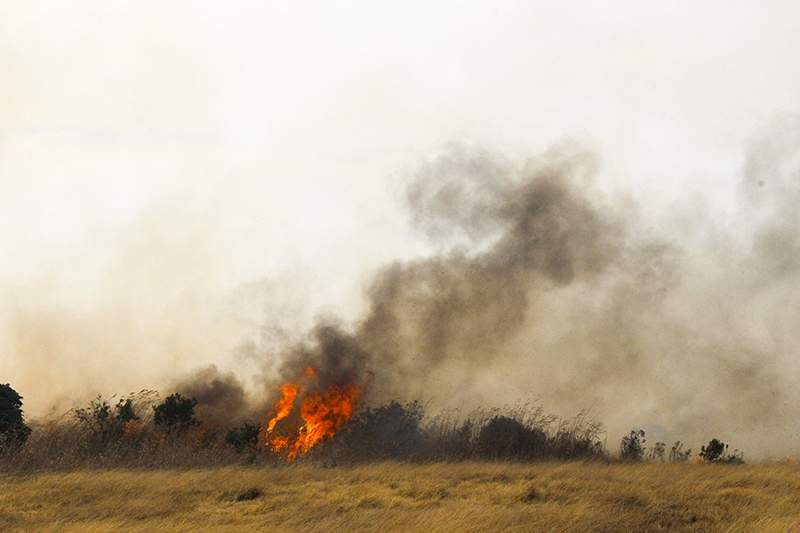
(537, 283)
(118, 314)
(772, 196)
(528, 231)
(537, 229)
(221, 397)
(543, 285)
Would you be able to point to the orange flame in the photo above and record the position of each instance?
(284, 405)
(322, 415)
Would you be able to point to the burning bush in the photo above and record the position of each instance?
(321, 414)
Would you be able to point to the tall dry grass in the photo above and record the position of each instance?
(97, 437)
(457, 497)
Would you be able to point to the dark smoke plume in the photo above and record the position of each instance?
(221, 398)
(545, 286)
(507, 233)
(529, 229)
(336, 357)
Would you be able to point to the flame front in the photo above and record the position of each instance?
(321, 415)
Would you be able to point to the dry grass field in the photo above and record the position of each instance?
(458, 497)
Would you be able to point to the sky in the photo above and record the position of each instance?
(180, 181)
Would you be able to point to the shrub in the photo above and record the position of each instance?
(518, 432)
(391, 431)
(658, 451)
(677, 454)
(506, 438)
(13, 430)
(99, 432)
(717, 451)
(631, 448)
(244, 437)
(105, 422)
(175, 414)
(458, 444)
(448, 437)
(714, 451)
(96, 417)
(576, 438)
(125, 411)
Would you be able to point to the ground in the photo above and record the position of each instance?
(457, 497)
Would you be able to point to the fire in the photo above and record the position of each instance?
(284, 405)
(321, 414)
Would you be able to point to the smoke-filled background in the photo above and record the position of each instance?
(596, 205)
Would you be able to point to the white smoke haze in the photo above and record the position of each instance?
(595, 205)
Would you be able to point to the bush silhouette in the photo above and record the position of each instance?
(125, 411)
(244, 437)
(658, 452)
(717, 451)
(97, 417)
(391, 431)
(106, 425)
(175, 414)
(505, 438)
(13, 430)
(631, 448)
(520, 432)
(677, 454)
(714, 451)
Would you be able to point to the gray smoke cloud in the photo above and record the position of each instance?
(221, 397)
(545, 286)
(529, 230)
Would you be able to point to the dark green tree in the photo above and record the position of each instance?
(176, 413)
(13, 430)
